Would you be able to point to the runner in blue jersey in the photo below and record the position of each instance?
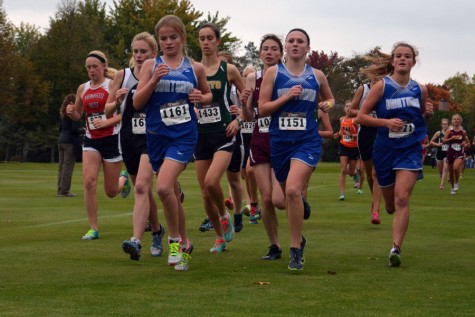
(400, 104)
(169, 86)
(289, 93)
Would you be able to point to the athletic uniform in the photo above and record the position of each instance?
(214, 118)
(105, 140)
(132, 132)
(260, 141)
(293, 128)
(456, 150)
(366, 135)
(170, 118)
(348, 144)
(441, 150)
(399, 150)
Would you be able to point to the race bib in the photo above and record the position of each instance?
(445, 147)
(138, 123)
(209, 114)
(373, 114)
(408, 129)
(456, 146)
(247, 126)
(263, 124)
(175, 113)
(92, 116)
(347, 138)
(293, 121)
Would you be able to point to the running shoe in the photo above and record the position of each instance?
(356, 185)
(359, 191)
(156, 249)
(188, 248)
(132, 247)
(219, 246)
(175, 254)
(184, 263)
(456, 187)
(126, 189)
(238, 222)
(228, 228)
(91, 235)
(206, 225)
(395, 257)
(296, 263)
(307, 210)
(229, 203)
(274, 253)
(342, 196)
(254, 216)
(453, 192)
(246, 210)
(375, 218)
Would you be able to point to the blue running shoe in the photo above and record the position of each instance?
(132, 247)
(238, 222)
(296, 263)
(206, 225)
(156, 249)
(126, 189)
(228, 228)
(274, 253)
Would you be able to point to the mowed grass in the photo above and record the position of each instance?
(47, 270)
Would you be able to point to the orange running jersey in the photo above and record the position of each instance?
(348, 125)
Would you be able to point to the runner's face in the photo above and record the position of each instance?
(208, 41)
(95, 69)
(141, 51)
(403, 59)
(296, 44)
(270, 52)
(170, 41)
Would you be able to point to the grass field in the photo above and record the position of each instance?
(47, 270)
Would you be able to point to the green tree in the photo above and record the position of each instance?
(129, 17)
(26, 38)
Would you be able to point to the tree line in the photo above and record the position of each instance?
(40, 68)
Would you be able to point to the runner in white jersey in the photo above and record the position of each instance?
(134, 148)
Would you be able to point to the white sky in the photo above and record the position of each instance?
(443, 31)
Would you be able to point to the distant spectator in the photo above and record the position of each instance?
(69, 136)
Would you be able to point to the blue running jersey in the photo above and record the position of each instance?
(169, 112)
(295, 120)
(403, 103)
